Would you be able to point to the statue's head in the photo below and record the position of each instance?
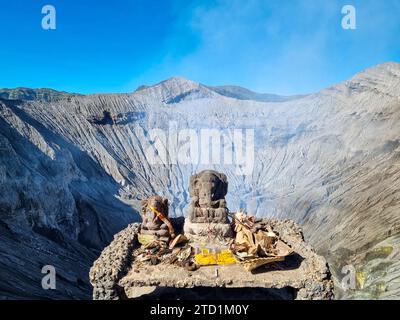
(208, 186)
(156, 202)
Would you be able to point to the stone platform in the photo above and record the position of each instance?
(303, 275)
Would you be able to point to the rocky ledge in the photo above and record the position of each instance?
(304, 275)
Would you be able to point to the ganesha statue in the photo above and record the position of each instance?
(208, 209)
(154, 213)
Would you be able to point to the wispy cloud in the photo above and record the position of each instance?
(280, 46)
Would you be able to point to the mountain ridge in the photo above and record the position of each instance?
(182, 85)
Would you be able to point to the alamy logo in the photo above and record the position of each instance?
(3, 175)
(349, 20)
(349, 280)
(49, 20)
(49, 280)
(202, 147)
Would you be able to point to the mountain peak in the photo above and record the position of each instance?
(390, 65)
(178, 82)
(384, 69)
(383, 77)
(177, 89)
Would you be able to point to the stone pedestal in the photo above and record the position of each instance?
(303, 275)
(207, 229)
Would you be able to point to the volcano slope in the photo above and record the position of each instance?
(73, 170)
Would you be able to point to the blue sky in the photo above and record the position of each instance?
(284, 47)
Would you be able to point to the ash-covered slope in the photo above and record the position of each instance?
(57, 207)
(76, 169)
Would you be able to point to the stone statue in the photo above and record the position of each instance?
(155, 222)
(208, 190)
(208, 206)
